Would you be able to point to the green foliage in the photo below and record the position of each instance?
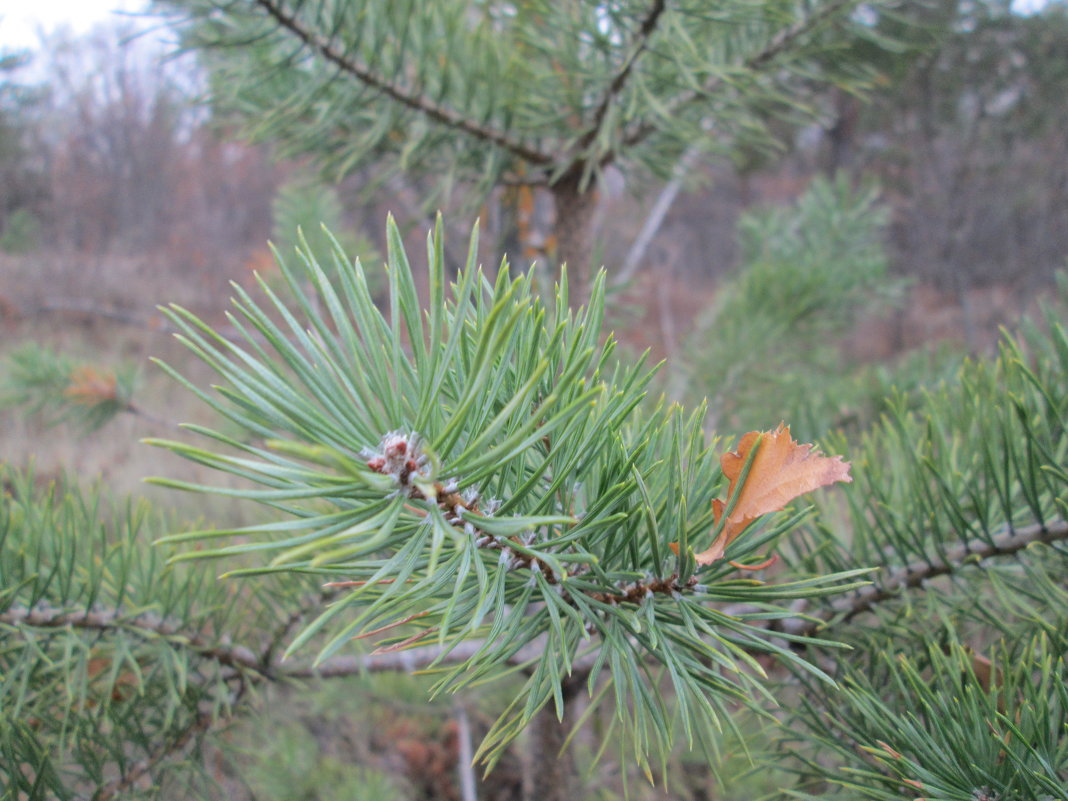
(932, 721)
(21, 232)
(956, 676)
(767, 350)
(108, 654)
(540, 92)
(304, 210)
(982, 457)
(528, 540)
(58, 389)
(495, 481)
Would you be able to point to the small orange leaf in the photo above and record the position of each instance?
(89, 386)
(781, 471)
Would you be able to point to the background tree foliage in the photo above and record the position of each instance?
(530, 94)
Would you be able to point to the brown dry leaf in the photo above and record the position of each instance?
(781, 471)
(89, 386)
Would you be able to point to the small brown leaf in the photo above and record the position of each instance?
(89, 386)
(781, 471)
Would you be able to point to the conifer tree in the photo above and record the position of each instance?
(535, 95)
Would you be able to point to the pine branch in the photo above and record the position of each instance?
(144, 626)
(453, 506)
(400, 94)
(639, 45)
(843, 609)
(780, 43)
(406, 661)
(242, 658)
(914, 575)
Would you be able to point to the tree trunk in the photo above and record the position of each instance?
(574, 232)
(549, 771)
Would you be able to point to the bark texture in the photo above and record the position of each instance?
(574, 233)
(549, 770)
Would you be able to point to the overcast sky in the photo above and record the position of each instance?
(19, 27)
(20, 20)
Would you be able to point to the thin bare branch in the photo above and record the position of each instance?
(235, 656)
(465, 759)
(892, 583)
(406, 661)
(395, 91)
(655, 219)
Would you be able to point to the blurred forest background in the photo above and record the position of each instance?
(868, 254)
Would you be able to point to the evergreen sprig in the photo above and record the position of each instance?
(938, 722)
(976, 472)
(485, 470)
(954, 685)
(56, 388)
(484, 491)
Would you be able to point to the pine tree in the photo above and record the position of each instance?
(531, 95)
(482, 487)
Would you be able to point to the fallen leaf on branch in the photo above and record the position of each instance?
(780, 471)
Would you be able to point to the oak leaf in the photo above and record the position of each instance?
(780, 471)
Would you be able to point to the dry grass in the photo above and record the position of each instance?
(103, 311)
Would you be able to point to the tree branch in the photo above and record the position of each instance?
(407, 661)
(244, 659)
(146, 626)
(779, 43)
(402, 95)
(652, 223)
(282, 633)
(913, 575)
(638, 46)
